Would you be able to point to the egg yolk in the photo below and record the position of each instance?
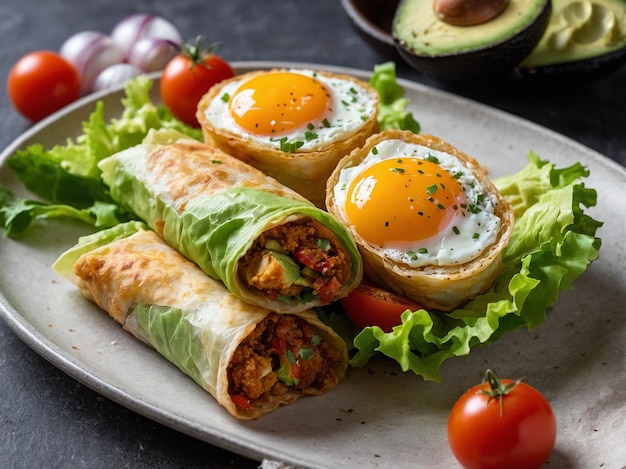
(278, 102)
(399, 202)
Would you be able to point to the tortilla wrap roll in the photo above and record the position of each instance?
(267, 244)
(302, 157)
(465, 232)
(250, 359)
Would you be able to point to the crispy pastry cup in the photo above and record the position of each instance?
(434, 287)
(306, 172)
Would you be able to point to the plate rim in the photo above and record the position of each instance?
(71, 365)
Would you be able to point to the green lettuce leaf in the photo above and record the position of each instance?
(392, 113)
(16, 215)
(553, 243)
(66, 177)
(64, 265)
(170, 332)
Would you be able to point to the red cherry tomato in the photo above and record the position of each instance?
(41, 83)
(501, 423)
(371, 306)
(188, 76)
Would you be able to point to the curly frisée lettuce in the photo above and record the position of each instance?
(67, 178)
(553, 243)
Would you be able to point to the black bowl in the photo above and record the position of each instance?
(372, 20)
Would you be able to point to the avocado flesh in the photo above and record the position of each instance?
(580, 30)
(417, 29)
(291, 271)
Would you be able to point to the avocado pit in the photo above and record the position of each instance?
(468, 12)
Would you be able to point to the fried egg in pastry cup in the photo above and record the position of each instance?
(429, 223)
(292, 124)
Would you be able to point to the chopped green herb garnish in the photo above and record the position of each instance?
(306, 354)
(432, 158)
(374, 151)
(475, 236)
(290, 147)
(422, 251)
(326, 123)
(411, 255)
(216, 162)
(396, 170)
(474, 208)
(316, 340)
(225, 97)
(284, 298)
(432, 189)
(324, 244)
(456, 230)
(308, 136)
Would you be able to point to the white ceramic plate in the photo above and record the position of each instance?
(377, 417)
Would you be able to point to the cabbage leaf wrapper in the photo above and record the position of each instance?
(236, 351)
(553, 243)
(238, 224)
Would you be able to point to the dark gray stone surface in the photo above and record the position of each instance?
(49, 420)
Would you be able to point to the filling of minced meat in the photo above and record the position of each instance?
(282, 352)
(296, 261)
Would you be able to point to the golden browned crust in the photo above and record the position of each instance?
(305, 172)
(436, 287)
(204, 169)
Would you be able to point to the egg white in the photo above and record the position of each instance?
(474, 231)
(352, 105)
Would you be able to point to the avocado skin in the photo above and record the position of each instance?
(482, 64)
(575, 73)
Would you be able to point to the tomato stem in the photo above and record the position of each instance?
(497, 389)
(197, 52)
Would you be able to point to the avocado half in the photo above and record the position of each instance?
(584, 41)
(468, 53)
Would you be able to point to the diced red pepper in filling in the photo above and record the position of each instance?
(329, 289)
(279, 345)
(240, 401)
(312, 258)
(296, 370)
